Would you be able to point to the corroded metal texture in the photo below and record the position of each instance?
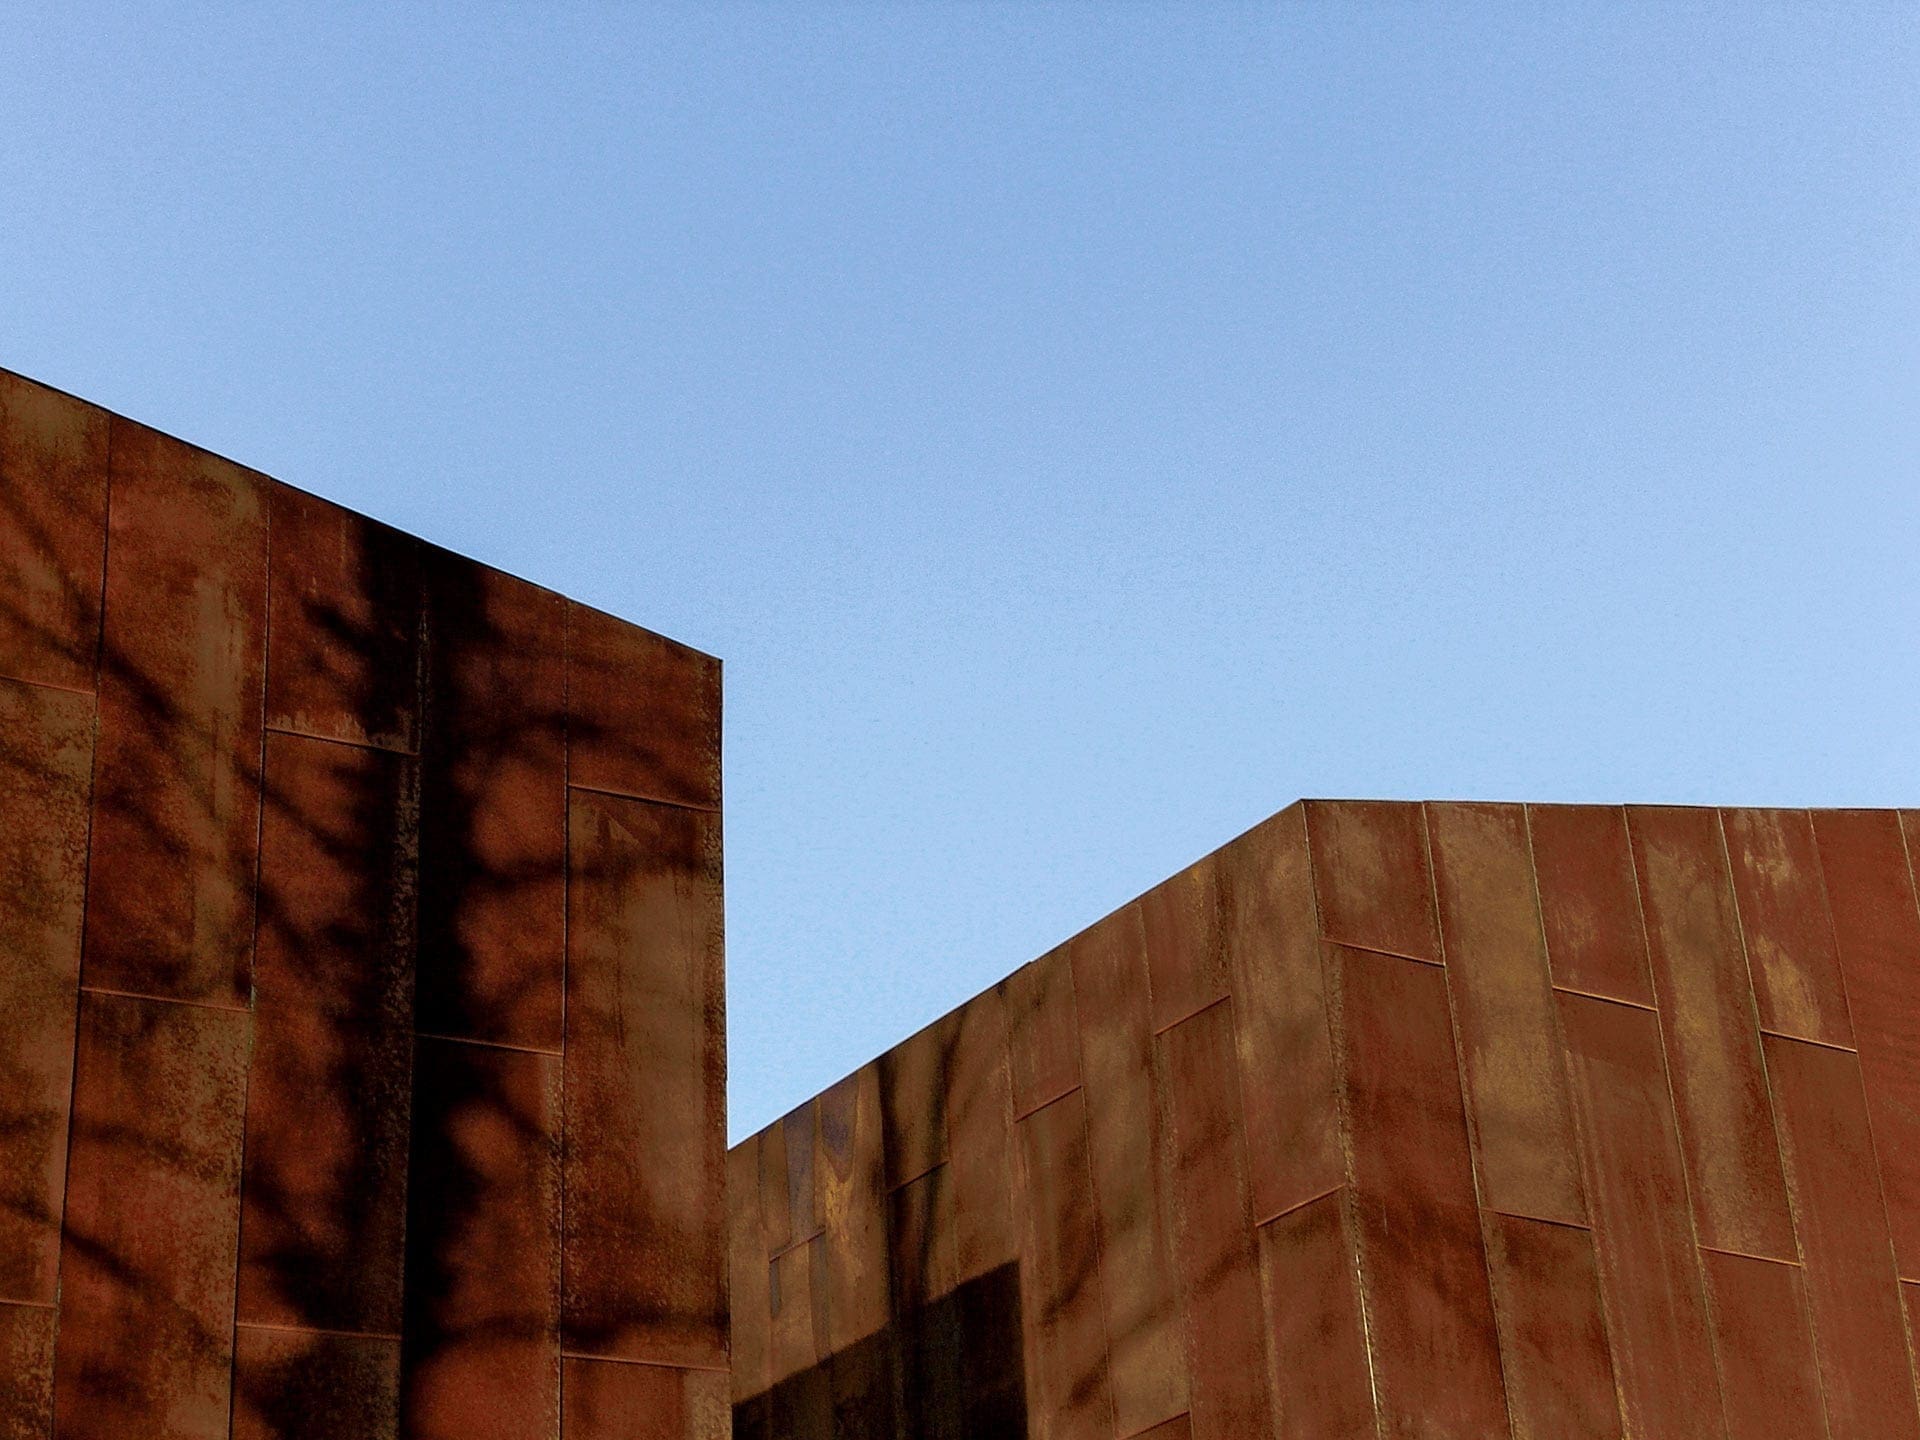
(1384, 1120)
(343, 1092)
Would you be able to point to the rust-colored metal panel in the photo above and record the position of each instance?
(1553, 1341)
(1213, 1247)
(802, 1395)
(1323, 1381)
(1069, 1395)
(345, 625)
(1423, 1265)
(46, 766)
(26, 1371)
(1588, 905)
(1521, 1114)
(979, 1110)
(1863, 857)
(1186, 960)
(1370, 875)
(609, 1400)
(1712, 1040)
(645, 1085)
(1280, 1015)
(987, 1219)
(643, 713)
(1042, 1031)
(913, 1102)
(1145, 1326)
(1851, 1289)
(852, 1178)
(53, 525)
(481, 1351)
(1650, 1280)
(750, 1299)
(177, 788)
(310, 1385)
(493, 809)
(930, 1375)
(153, 1211)
(1765, 1348)
(323, 1206)
(1786, 925)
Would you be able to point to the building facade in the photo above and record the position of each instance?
(361, 1025)
(1385, 1120)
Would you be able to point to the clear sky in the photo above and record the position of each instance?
(1081, 429)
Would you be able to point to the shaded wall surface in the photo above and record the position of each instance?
(1393, 1120)
(361, 1064)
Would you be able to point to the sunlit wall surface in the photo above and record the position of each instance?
(361, 1066)
(1385, 1119)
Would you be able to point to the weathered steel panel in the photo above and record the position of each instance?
(1370, 876)
(1521, 1114)
(152, 1221)
(1786, 924)
(1851, 1286)
(46, 766)
(643, 713)
(1069, 1396)
(53, 527)
(1423, 1266)
(1323, 1382)
(1650, 1279)
(481, 1348)
(1213, 1246)
(1588, 906)
(493, 809)
(645, 1085)
(1765, 1348)
(1145, 1327)
(607, 1400)
(177, 773)
(323, 1206)
(1877, 928)
(312, 1385)
(1553, 1341)
(346, 625)
(1282, 1024)
(1712, 1039)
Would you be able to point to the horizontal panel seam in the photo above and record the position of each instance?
(1033, 1110)
(49, 685)
(1537, 1219)
(487, 1044)
(1378, 950)
(315, 1330)
(164, 999)
(801, 1243)
(32, 1304)
(404, 753)
(1176, 1024)
(1606, 999)
(1749, 1255)
(645, 799)
(1299, 1205)
(1809, 1040)
(649, 1364)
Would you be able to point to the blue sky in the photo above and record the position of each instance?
(1081, 429)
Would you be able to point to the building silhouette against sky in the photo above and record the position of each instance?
(362, 1062)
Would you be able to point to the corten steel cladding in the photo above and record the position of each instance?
(1385, 1120)
(361, 1067)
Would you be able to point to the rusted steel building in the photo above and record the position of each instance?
(361, 1063)
(1385, 1120)
(361, 1037)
